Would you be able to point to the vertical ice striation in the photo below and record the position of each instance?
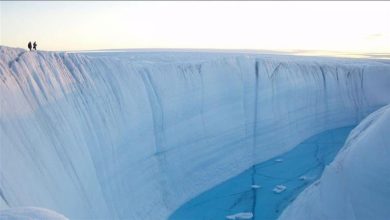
(113, 137)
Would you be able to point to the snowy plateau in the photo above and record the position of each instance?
(137, 135)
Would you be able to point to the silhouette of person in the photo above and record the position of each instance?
(35, 45)
(29, 45)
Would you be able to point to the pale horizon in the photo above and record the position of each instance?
(323, 27)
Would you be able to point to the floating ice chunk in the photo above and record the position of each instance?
(241, 215)
(303, 178)
(279, 188)
(255, 186)
(279, 160)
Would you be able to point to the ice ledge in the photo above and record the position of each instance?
(30, 213)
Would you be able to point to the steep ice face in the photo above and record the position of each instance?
(111, 137)
(356, 184)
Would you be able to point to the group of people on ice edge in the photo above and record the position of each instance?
(34, 46)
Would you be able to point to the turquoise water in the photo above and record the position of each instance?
(252, 190)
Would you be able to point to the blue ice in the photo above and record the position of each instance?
(254, 190)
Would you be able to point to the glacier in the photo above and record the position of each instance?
(124, 135)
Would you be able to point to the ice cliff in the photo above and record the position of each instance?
(356, 185)
(120, 136)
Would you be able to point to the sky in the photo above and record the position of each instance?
(355, 27)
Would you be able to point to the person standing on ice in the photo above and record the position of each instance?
(35, 45)
(29, 45)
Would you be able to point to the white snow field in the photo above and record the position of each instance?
(356, 185)
(126, 135)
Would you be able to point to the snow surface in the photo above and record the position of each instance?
(119, 135)
(355, 186)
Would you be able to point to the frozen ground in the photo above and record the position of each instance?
(130, 136)
(279, 182)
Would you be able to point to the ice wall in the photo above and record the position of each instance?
(108, 137)
(355, 186)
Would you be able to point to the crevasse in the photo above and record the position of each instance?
(356, 184)
(120, 137)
